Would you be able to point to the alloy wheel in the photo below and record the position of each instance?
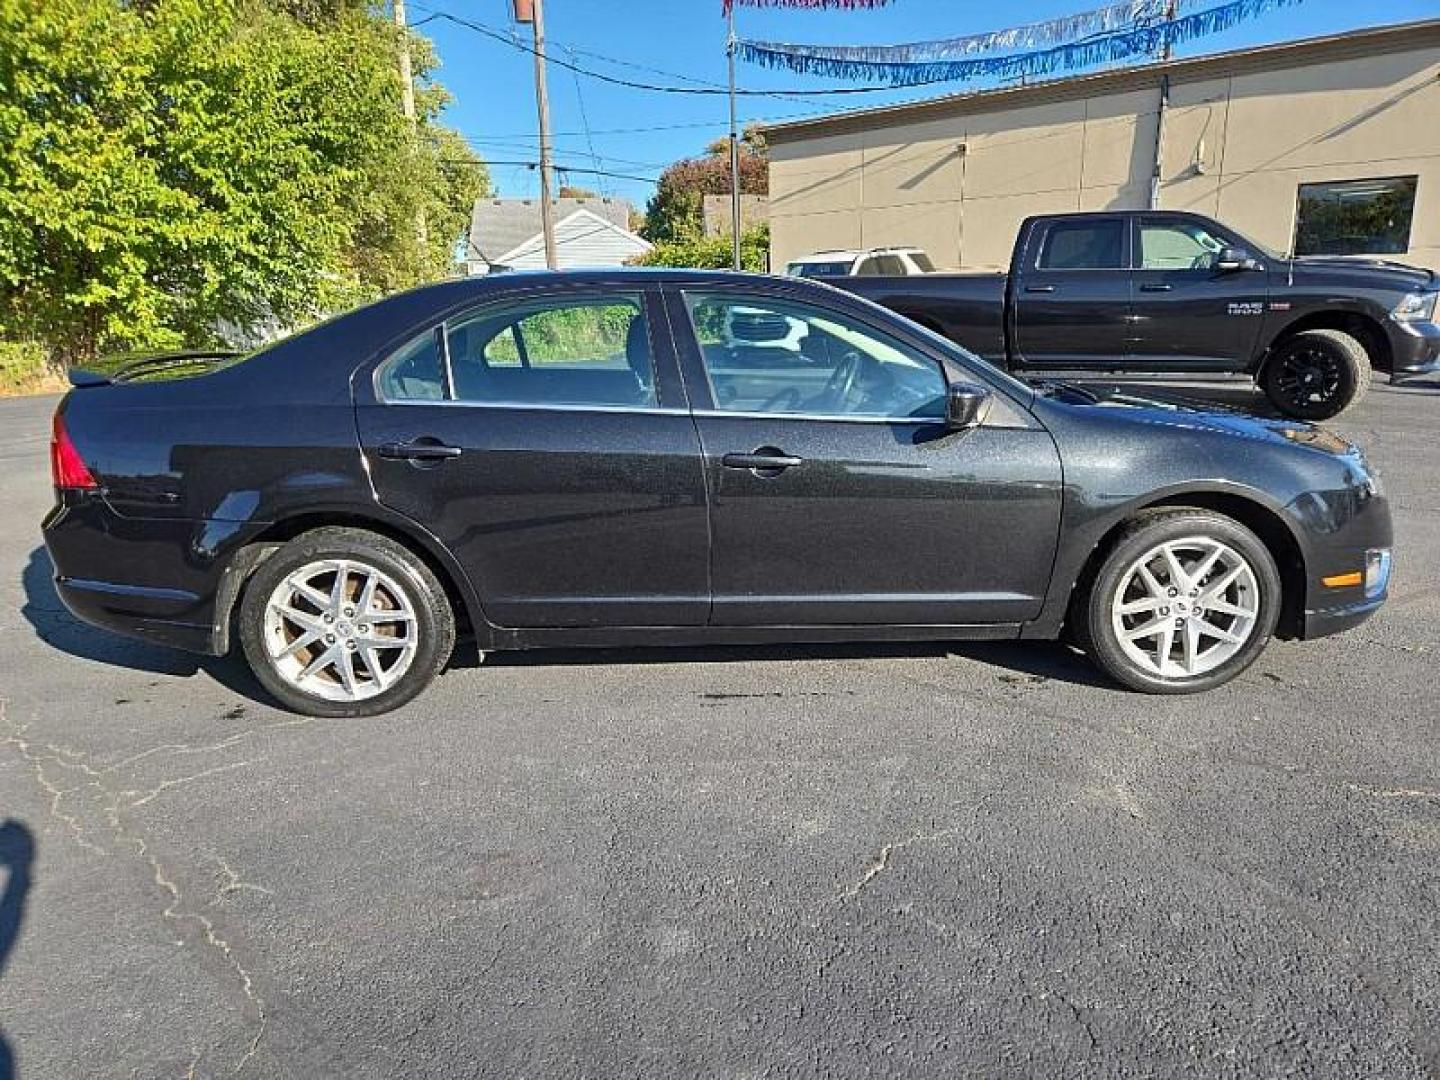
(340, 630)
(1307, 377)
(1185, 607)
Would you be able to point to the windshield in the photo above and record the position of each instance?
(828, 268)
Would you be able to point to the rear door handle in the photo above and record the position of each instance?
(762, 460)
(1156, 288)
(419, 450)
(1039, 288)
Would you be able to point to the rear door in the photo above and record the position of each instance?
(1186, 314)
(1071, 294)
(544, 439)
(838, 496)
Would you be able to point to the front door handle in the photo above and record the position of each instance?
(419, 450)
(766, 461)
(1039, 288)
(1156, 288)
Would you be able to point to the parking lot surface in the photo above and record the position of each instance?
(895, 860)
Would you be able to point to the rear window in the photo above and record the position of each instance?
(829, 268)
(1084, 245)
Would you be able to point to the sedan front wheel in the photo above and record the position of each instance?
(1185, 601)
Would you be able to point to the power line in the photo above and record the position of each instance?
(533, 164)
(660, 88)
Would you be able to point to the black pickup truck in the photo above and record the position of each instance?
(1170, 293)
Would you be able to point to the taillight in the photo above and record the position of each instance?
(66, 466)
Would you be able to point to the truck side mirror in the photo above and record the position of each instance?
(966, 406)
(1230, 259)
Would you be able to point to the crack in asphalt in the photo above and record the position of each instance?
(37, 755)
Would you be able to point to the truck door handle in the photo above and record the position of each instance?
(1156, 288)
(419, 450)
(766, 461)
(1039, 288)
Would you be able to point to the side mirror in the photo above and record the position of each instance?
(966, 406)
(1230, 259)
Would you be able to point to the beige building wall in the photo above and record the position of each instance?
(1242, 131)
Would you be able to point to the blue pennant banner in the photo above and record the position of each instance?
(1143, 31)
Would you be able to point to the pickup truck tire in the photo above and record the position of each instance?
(1185, 601)
(1316, 374)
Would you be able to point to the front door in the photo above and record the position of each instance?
(1186, 315)
(545, 441)
(1070, 295)
(837, 494)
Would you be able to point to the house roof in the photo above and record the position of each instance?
(499, 226)
(1402, 37)
(582, 237)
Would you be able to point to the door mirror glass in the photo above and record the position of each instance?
(1235, 258)
(966, 406)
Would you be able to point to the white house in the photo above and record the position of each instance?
(505, 234)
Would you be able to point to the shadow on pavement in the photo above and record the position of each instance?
(17, 853)
(59, 629)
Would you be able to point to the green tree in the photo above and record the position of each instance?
(711, 252)
(674, 211)
(175, 170)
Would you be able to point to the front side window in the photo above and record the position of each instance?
(1084, 245)
(1177, 245)
(1355, 217)
(892, 265)
(779, 356)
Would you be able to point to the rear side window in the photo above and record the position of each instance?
(922, 262)
(582, 351)
(1084, 245)
(414, 373)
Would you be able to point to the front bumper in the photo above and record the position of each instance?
(1414, 349)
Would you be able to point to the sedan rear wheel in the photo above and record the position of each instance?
(1185, 601)
(343, 622)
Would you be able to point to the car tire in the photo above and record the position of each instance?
(1219, 617)
(357, 646)
(1316, 374)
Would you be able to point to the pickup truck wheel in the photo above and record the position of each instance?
(1185, 601)
(1316, 374)
(344, 622)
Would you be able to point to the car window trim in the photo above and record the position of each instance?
(652, 300)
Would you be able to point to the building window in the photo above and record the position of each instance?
(1355, 217)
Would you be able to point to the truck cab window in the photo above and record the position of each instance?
(1177, 245)
(1084, 245)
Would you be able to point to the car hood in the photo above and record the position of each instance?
(1372, 270)
(1189, 414)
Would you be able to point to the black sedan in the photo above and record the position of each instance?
(678, 457)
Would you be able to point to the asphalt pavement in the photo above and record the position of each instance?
(861, 861)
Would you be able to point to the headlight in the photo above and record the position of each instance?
(1415, 307)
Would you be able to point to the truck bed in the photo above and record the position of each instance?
(966, 308)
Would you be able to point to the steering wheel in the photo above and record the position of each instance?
(789, 398)
(842, 382)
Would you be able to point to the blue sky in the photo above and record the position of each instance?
(493, 86)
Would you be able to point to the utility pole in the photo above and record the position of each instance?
(407, 104)
(1171, 11)
(730, 45)
(533, 12)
